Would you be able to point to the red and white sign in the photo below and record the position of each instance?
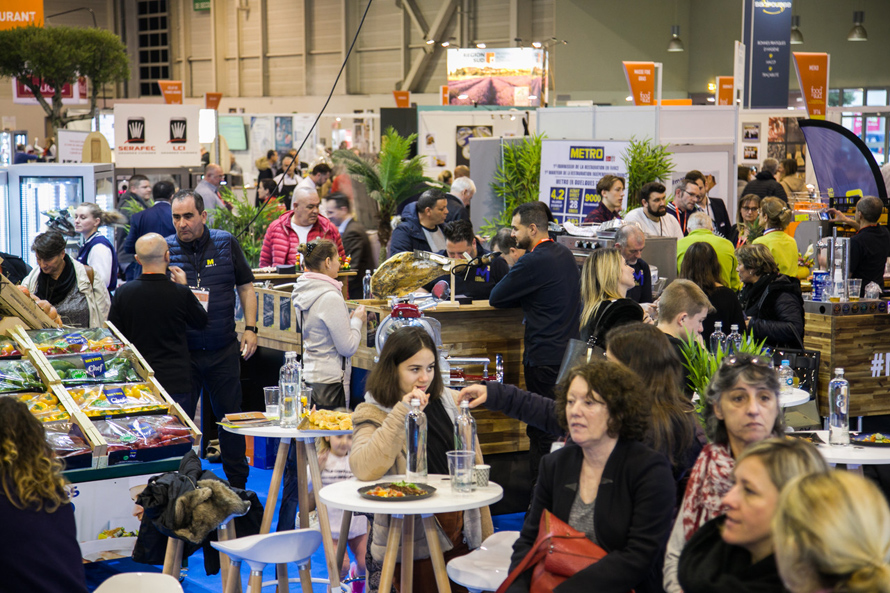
(72, 94)
(812, 76)
(725, 90)
(641, 80)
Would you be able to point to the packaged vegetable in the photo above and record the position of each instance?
(19, 375)
(65, 439)
(44, 406)
(112, 399)
(54, 342)
(143, 432)
(8, 348)
(86, 368)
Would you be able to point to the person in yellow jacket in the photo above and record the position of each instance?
(701, 230)
(775, 216)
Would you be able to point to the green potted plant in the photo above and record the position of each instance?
(246, 222)
(517, 180)
(390, 181)
(645, 162)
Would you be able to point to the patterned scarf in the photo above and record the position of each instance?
(710, 481)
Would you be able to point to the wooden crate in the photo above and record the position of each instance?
(860, 344)
(96, 440)
(14, 303)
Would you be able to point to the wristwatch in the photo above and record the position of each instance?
(250, 328)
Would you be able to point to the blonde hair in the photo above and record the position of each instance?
(785, 459)
(832, 531)
(106, 217)
(682, 296)
(777, 213)
(599, 280)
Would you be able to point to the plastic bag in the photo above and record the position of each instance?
(53, 342)
(19, 375)
(873, 291)
(115, 399)
(143, 432)
(44, 406)
(60, 437)
(85, 368)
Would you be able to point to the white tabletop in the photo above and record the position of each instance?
(794, 398)
(276, 432)
(852, 454)
(344, 495)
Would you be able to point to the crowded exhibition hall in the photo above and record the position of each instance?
(444, 296)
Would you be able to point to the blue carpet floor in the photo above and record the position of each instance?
(198, 582)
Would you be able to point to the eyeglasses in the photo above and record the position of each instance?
(737, 360)
(750, 209)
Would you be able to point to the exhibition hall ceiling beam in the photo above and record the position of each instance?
(435, 32)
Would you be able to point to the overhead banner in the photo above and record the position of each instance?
(403, 99)
(767, 29)
(570, 170)
(641, 80)
(513, 76)
(72, 94)
(812, 76)
(172, 91)
(725, 90)
(842, 162)
(20, 13)
(211, 100)
(150, 135)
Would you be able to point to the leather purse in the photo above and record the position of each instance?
(560, 551)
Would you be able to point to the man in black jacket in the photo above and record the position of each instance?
(870, 246)
(714, 207)
(355, 239)
(545, 282)
(765, 184)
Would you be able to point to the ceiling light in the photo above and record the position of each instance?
(629, 98)
(858, 33)
(710, 99)
(446, 43)
(338, 119)
(536, 44)
(532, 97)
(796, 35)
(430, 41)
(512, 118)
(675, 44)
(712, 87)
(462, 97)
(480, 45)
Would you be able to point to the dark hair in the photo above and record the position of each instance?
(757, 258)
(459, 230)
(136, 180)
(700, 264)
(184, 194)
(606, 183)
(646, 350)
(789, 166)
(270, 186)
(650, 188)
(162, 191)
(743, 173)
(339, 199)
(725, 378)
(315, 252)
(49, 244)
(402, 344)
(619, 387)
(535, 213)
(694, 176)
(321, 168)
(871, 208)
(429, 199)
(503, 241)
(271, 152)
(744, 200)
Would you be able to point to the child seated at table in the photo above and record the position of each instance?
(333, 460)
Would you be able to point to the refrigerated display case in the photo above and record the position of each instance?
(4, 200)
(8, 141)
(38, 188)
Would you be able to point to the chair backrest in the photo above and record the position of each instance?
(140, 582)
(805, 364)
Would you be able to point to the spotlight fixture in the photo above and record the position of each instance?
(532, 97)
(536, 44)
(430, 41)
(512, 118)
(629, 98)
(796, 35)
(338, 119)
(480, 45)
(711, 99)
(462, 97)
(858, 32)
(676, 44)
(446, 43)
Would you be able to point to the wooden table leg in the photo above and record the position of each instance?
(344, 536)
(407, 582)
(303, 497)
(173, 557)
(323, 519)
(274, 485)
(229, 570)
(392, 550)
(432, 540)
(281, 572)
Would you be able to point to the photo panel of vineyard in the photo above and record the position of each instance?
(506, 76)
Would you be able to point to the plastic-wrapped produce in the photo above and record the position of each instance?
(64, 441)
(116, 399)
(143, 432)
(19, 375)
(8, 348)
(79, 369)
(54, 342)
(44, 406)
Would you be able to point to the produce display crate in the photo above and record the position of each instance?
(14, 303)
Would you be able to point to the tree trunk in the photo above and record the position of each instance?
(384, 229)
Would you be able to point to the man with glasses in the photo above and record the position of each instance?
(630, 242)
(685, 203)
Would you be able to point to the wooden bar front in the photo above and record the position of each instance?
(860, 344)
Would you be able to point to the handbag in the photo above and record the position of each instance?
(579, 352)
(560, 551)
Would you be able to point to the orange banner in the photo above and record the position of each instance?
(812, 76)
(211, 100)
(172, 91)
(443, 95)
(725, 90)
(641, 80)
(403, 98)
(666, 102)
(20, 13)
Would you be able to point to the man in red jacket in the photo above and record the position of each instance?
(300, 225)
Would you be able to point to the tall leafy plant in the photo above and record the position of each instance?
(246, 222)
(645, 162)
(390, 181)
(517, 180)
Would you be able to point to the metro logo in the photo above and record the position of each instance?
(586, 153)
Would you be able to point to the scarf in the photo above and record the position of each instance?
(709, 482)
(56, 291)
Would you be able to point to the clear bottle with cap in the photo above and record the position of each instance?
(289, 391)
(465, 429)
(718, 338)
(366, 285)
(839, 409)
(786, 377)
(415, 435)
(734, 340)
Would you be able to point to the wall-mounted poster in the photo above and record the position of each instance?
(776, 130)
(284, 134)
(751, 132)
(505, 76)
(751, 151)
(462, 137)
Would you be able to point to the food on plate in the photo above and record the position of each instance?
(330, 420)
(115, 532)
(875, 438)
(396, 490)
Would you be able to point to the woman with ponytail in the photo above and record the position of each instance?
(775, 216)
(97, 252)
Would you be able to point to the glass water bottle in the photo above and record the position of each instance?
(839, 409)
(415, 434)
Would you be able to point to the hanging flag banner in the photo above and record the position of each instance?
(725, 90)
(641, 80)
(767, 32)
(151, 135)
(443, 94)
(812, 76)
(20, 13)
(172, 91)
(403, 99)
(211, 100)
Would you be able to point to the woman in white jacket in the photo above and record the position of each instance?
(330, 335)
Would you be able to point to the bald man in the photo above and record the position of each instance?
(153, 312)
(208, 189)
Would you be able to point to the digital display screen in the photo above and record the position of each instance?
(232, 127)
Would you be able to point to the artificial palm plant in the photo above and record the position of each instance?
(392, 180)
(517, 181)
(645, 162)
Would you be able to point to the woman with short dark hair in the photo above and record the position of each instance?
(772, 301)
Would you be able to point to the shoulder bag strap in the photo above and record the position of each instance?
(534, 555)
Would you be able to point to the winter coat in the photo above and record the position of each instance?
(409, 235)
(793, 184)
(379, 449)
(281, 240)
(96, 292)
(775, 307)
(765, 185)
(329, 336)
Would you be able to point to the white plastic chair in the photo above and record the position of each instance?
(269, 548)
(485, 568)
(140, 582)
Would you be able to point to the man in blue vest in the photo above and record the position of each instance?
(212, 264)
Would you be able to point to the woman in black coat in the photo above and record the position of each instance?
(772, 302)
